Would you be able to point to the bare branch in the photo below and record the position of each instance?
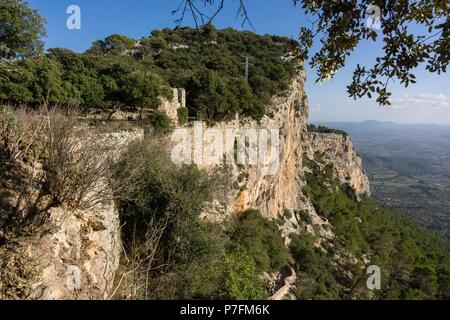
(200, 16)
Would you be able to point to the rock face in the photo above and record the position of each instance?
(76, 253)
(170, 107)
(78, 256)
(338, 150)
(274, 194)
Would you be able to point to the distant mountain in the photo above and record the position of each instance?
(381, 127)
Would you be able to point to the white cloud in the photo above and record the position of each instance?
(316, 108)
(421, 101)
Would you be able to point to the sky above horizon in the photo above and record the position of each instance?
(426, 102)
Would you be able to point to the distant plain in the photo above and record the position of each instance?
(408, 167)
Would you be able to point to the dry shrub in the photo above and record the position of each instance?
(17, 274)
(49, 159)
(76, 163)
(19, 132)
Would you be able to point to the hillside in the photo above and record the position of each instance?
(123, 73)
(89, 213)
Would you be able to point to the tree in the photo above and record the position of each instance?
(21, 29)
(47, 85)
(260, 239)
(241, 278)
(142, 89)
(115, 44)
(339, 26)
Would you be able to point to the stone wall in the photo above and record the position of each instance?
(170, 107)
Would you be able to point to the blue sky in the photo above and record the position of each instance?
(426, 102)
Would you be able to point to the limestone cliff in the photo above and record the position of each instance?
(78, 254)
(338, 150)
(276, 194)
(74, 254)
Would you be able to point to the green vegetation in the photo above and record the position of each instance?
(242, 278)
(414, 261)
(334, 29)
(161, 123)
(8, 128)
(21, 29)
(178, 255)
(210, 64)
(119, 72)
(260, 239)
(172, 253)
(315, 268)
(183, 116)
(324, 129)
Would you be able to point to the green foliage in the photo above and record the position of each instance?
(161, 193)
(21, 29)
(413, 260)
(316, 270)
(160, 206)
(241, 278)
(324, 129)
(113, 44)
(9, 129)
(210, 64)
(344, 27)
(287, 214)
(215, 276)
(413, 33)
(183, 116)
(120, 72)
(304, 216)
(161, 123)
(8, 121)
(260, 239)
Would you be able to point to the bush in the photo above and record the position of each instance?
(304, 216)
(241, 278)
(324, 129)
(161, 123)
(183, 116)
(115, 73)
(8, 131)
(217, 276)
(160, 207)
(317, 274)
(17, 274)
(75, 162)
(260, 239)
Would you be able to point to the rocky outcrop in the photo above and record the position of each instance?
(288, 283)
(75, 254)
(78, 254)
(280, 192)
(170, 107)
(277, 191)
(338, 150)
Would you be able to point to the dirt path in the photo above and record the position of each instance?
(284, 290)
